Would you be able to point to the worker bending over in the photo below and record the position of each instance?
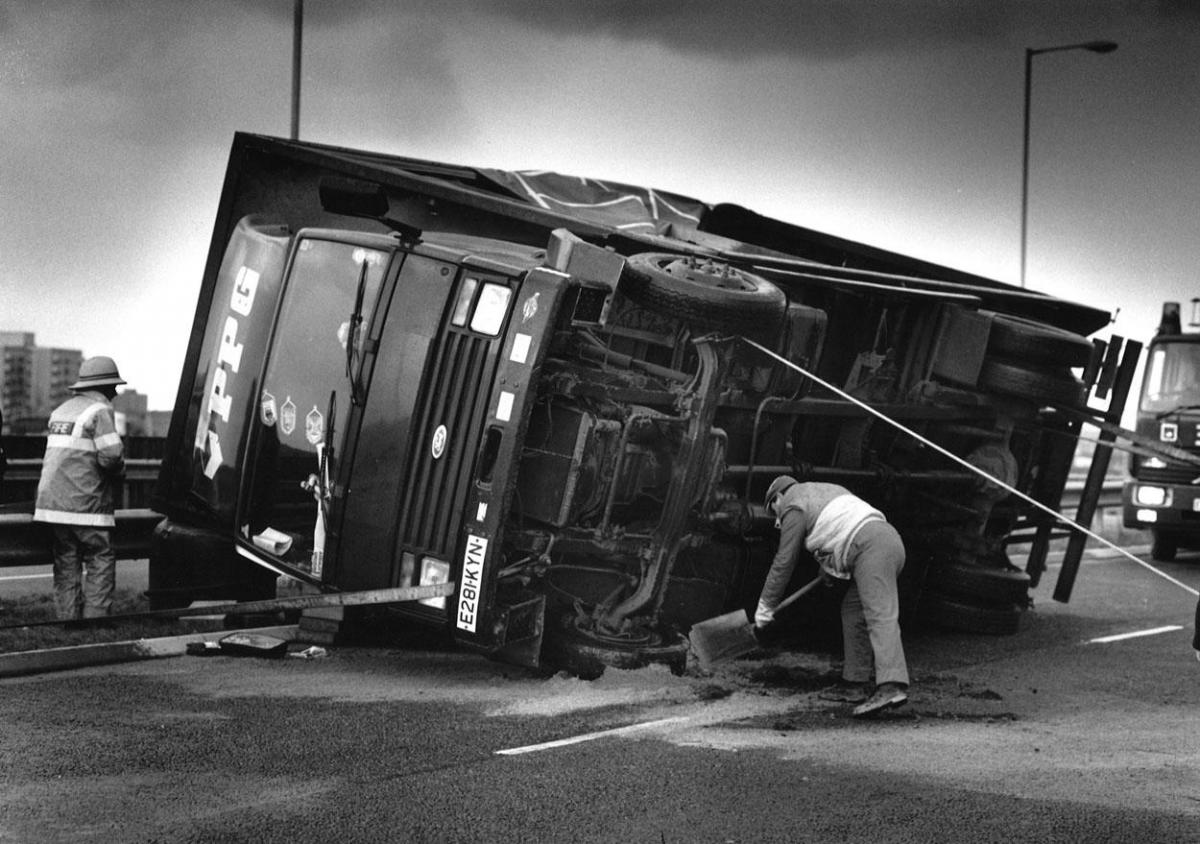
(850, 540)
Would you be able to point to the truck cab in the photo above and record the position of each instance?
(1162, 494)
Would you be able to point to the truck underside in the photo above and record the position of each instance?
(641, 432)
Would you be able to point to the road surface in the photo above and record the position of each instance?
(1081, 727)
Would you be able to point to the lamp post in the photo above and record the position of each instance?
(297, 40)
(1091, 46)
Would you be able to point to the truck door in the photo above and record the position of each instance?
(312, 377)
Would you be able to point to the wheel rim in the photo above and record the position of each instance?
(709, 273)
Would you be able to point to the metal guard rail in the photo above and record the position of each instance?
(24, 542)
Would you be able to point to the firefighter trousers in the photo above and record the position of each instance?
(85, 572)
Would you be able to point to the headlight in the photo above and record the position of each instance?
(1151, 496)
(434, 571)
(1147, 516)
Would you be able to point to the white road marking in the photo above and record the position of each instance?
(1119, 636)
(533, 748)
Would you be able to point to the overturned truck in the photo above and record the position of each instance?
(567, 397)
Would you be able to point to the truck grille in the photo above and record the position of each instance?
(455, 394)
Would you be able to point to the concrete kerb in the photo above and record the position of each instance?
(84, 656)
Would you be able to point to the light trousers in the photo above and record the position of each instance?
(871, 608)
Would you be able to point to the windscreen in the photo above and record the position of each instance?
(1172, 377)
(312, 373)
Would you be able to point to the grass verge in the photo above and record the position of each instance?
(28, 609)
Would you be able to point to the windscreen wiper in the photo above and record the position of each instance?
(357, 396)
(327, 465)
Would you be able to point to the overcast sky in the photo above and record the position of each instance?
(897, 123)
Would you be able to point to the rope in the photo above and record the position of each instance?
(1058, 516)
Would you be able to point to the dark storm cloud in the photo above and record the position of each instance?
(94, 42)
(122, 32)
(824, 28)
(160, 71)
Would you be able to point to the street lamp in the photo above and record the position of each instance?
(297, 42)
(1091, 46)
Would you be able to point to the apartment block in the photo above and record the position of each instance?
(34, 380)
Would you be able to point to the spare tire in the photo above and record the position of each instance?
(1038, 386)
(1029, 342)
(703, 292)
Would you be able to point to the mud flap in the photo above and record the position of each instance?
(519, 628)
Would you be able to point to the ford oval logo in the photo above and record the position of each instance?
(439, 441)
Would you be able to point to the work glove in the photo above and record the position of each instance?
(763, 615)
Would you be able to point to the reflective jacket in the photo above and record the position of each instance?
(84, 460)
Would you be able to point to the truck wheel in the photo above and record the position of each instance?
(990, 585)
(1022, 339)
(566, 647)
(189, 563)
(966, 617)
(1033, 385)
(1163, 547)
(704, 292)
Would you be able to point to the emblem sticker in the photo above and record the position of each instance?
(267, 412)
(287, 416)
(438, 447)
(314, 426)
(530, 308)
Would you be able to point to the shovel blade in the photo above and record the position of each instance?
(722, 638)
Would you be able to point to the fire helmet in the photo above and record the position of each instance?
(99, 371)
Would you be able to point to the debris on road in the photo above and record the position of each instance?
(253, 644)
(311, 652)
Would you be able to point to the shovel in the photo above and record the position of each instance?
(732, 635)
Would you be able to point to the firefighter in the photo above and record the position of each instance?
(852, 542)
(81, 475)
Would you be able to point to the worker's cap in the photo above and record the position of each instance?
(777, 486)
(99, 371)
